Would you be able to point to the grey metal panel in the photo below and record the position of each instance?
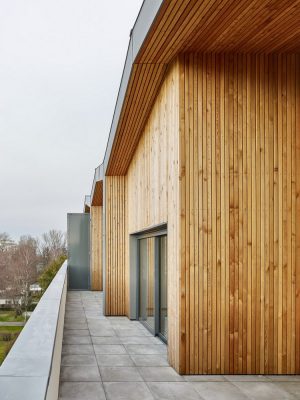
(134, 276)
(139, 32)
(79, 251)
(143, 23)
(118, 107)
(151, 231)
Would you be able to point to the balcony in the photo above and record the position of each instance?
(70, 350)
(31, 369)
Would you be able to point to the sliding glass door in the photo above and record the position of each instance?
(147, 283)
(152, 297)
(163, 295)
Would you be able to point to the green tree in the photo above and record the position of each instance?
(49, 272)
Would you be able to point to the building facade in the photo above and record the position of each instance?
(195, 211)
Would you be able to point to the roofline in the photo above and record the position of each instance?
(138, 34)
(98, 177)
(87, 202)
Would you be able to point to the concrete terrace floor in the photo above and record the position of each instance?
(114, 358)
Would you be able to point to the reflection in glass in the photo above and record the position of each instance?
(147, 288)
(163, 300)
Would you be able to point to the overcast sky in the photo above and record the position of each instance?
(60, 68)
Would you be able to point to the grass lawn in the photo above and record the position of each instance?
(10, 329)
(9, 316)
(3, 344)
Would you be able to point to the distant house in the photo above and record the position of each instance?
(35, 288)
(6, 303)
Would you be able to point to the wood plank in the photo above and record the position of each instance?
(297, 244)
(249, 214)
(96, 248)
(217, 160)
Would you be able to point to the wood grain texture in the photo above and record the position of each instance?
(218, 160)
(97, 199)
(246, 26)
(152, 185)
(239, 200)
(96, 215)
(115, 228)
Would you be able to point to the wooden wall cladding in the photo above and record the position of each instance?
(240, 214)
(153, 190)
(245, 26)
(115, 223)
(97, 198)
(96, 248)
(144, 85)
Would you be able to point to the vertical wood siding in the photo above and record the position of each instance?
(96, 248)
(153, 190)
(218, 161)
(115, 223)
(240, 214)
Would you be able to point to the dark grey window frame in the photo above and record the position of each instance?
(156, 232)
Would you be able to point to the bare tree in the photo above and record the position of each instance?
(6, 244)
(52, 245)
(4, 262)
(22, 272)
(5, 241)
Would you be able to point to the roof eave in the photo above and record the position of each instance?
(143, 23)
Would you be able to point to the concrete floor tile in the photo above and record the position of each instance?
(80, 374)
(74, 332)
(76, 325)
(106, 340)
(94, 315)
(84, 360)
(71, 298)
(263, 391)
(77, 340)
(290, 387)
(99, 323)
(120, 374)
(127, 390)
(246, 378)
(81, 390)
(122, 325)
(87, 331)
(118, 320)
(159, 374)
(131, 332)
(173, 391)
(218, 391)
(100, 328)
(146, 349)
(284, 378)
(138, 340)
(101, 332)
(109, 349)
(149, 360)
(72, 307)
(84, 349)
(204, 378)
(75, 314)
(112, 360)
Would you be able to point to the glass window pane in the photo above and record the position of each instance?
(147, 282)
(143, 280)
(163, 317)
